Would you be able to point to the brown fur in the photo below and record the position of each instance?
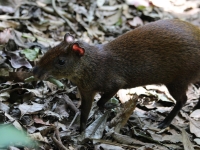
(163, 52)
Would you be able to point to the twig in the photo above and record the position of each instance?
(72, 106)
(59, 144)
(57, 134)
(6, 89)
(7, 17)
(46, 9)
(70, 103)
(65, 19)
(49, 10)
(74, 119)
(114, 143)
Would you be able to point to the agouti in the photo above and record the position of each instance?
(163, 52)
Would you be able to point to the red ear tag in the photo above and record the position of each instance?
(78, 49)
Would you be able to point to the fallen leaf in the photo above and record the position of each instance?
(17, 61)
(6, 9)
(100, 2)
(8, 24)
(107, 147)
(5, 36)
(37, 136)
(136, 22)
(31, 54)
(195, 127)
(113, 19)
(186, 141)
(137, 3)
(195, 114)
(95, 130)
(30, 109)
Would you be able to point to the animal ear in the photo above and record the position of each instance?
(77, 49)
(69, 38)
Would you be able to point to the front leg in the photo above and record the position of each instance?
(87, 97)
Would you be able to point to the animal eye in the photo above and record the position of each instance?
(61, 62)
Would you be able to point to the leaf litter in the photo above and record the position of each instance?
(47, 112)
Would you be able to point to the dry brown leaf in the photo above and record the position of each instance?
(123, 115)
(111, 20)
(172, 138)
(195, 114)
(124, 95)
(107, 147)
(126, 11)
(4, 96)
(40, 121)
(137, 3)
(163, 3)
(5, 36)
(37, 136)
(186, 141)
(100, 2)
(195, 127)
(30, 109)
(137, 21)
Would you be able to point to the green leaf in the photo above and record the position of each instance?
(113, 100)
(56, 82)
(141, 8)
(119, 22)
(31, 54)
(28, 36)
(12, 136)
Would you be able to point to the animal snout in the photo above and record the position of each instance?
(38, 73)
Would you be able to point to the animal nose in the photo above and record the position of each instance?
(37, 72)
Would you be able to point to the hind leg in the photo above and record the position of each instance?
(178, 92)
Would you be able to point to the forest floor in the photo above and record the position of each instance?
(45, 114)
